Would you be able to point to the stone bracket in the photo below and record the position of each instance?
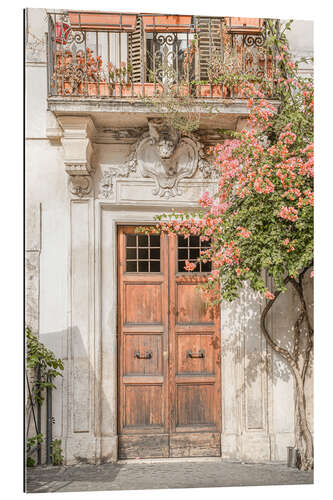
(78, 132)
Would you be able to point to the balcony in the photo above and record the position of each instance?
(118, 56)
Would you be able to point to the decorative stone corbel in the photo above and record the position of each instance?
(78, 132)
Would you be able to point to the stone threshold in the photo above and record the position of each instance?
(138, 461)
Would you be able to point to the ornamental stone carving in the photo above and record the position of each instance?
(80, 185)
(166, 157)
(108, 174)
(161, 154)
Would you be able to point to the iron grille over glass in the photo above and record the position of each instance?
(165, 57)
(143, 253)
(189, 249)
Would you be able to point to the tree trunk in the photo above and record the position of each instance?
(292, 359)
(306, 456)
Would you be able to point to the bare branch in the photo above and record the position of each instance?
(280, 350)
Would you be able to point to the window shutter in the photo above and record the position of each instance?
(135, 52)
(209, 31)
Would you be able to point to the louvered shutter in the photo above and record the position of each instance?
(209, 40)
(135, 52)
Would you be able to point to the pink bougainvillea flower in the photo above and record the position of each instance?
(189, 266)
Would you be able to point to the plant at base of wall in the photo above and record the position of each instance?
(42, 367)
(56, 455)
(31, 448)
(39, 357)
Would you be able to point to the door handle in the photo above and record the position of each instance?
(199, 354)
(146, 355)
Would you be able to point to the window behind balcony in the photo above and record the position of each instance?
(165, 57)
(161, 53)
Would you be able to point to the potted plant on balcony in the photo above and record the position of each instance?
(92, 69)
(224, 74)
(67, 77)
(79, 76)
(121, 80)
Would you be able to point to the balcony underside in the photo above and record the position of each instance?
(214, 114)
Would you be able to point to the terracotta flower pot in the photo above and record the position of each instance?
(69, 89)
(182, 90)
(125, 90)
(217, 91)
(102, 21)
(66, 89)
(64, 58)
(92, 88)
(166, 23)
(235, 90)
(152, 89)
(103, 89)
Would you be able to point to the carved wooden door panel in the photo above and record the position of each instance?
(168, 344)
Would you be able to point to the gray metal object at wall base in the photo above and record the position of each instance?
(39, 421)
(49, 421)
(292, 454)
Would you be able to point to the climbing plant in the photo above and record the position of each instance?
(42, 367)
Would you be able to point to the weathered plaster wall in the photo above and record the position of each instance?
(300, 39)
(46, 211)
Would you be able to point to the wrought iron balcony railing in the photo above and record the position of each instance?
(119, 55)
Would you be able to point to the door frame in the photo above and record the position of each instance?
(108, 218)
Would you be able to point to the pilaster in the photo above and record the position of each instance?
(81, 441)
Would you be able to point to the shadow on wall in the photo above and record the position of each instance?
(247, 339)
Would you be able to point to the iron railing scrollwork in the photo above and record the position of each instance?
(97, 63)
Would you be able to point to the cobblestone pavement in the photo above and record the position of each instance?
(160, 475)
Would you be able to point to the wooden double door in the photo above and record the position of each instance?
(169, 388)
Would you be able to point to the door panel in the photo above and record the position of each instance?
(143, 405)
(190, 305)
(195, 354)
(195, 397)
(143, 345)
(142, 340)
(143, 302)
(168, 341)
